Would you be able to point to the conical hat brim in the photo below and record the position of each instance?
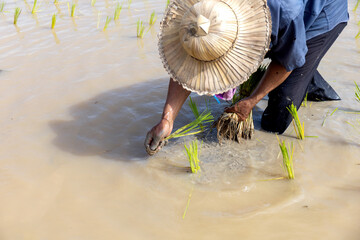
(227, 71)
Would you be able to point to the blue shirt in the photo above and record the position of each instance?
(296, 21)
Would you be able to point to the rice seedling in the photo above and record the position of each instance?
(98, 20)
(72, 11)
(2, 6)
(153, 18)
(53, 21)
(108, 20)
(167, 3)
(228, 125)
(357, 35)
(323, 123)
(17, 14)
(35, 8)
(193, 107)
(117, 11)
(357, 92)
(140, 29)
(304, 103)
(56, 2)
(299, 128)
(93, 2)
(287, 157)
(192, 153)
(193, 127)
(129, 3)
(188, 202)
(357, 5)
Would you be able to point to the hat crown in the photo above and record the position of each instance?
(208, 30)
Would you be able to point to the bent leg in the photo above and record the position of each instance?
(320, 90)
(276, 117)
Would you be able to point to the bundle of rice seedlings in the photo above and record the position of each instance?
(117, 11)
(192, 153)
(108, 20)
(140, 29)
(153, 18)
(228, 125)
(299, 128)
(357, 91)
(194, 127)
(287, 158)
(187, 130)
(53, 21)
(16, 14)
(35, 8)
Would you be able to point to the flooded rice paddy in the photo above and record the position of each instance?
(76, 104)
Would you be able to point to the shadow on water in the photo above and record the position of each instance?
(113, 124)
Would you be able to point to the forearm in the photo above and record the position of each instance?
(274, 76)
(176, 97)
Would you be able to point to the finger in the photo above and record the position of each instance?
(148, 139)
(155, 143)
(230, 110)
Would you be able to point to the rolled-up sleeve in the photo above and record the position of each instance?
(289, 42)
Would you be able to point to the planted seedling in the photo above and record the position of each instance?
(357, 91)
(35, 8)
(305, 102)
(299, 128)
(53, 21)
(193, 127)
(117, 11)
(357, 5)
(287, 158)
(93, 2)
(140, 29)
(129, 3)
(2, 6)
(192, 153)
(72, 11)
(108, 20)
(17, 14)
(328, 116)
(153, 18)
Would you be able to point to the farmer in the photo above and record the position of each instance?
(295, 36)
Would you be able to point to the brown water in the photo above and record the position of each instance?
(76, 104)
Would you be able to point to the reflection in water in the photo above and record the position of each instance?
(112, 125)
(55, 36)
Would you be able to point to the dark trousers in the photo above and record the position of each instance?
(276, 117)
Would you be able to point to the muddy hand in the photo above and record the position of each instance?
(241, 108)
(154, 140)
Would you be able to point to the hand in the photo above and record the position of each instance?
(242, 108)
(154, 140)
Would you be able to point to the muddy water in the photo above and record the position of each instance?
(77, 102)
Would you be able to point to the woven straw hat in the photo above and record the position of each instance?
(211, 46)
